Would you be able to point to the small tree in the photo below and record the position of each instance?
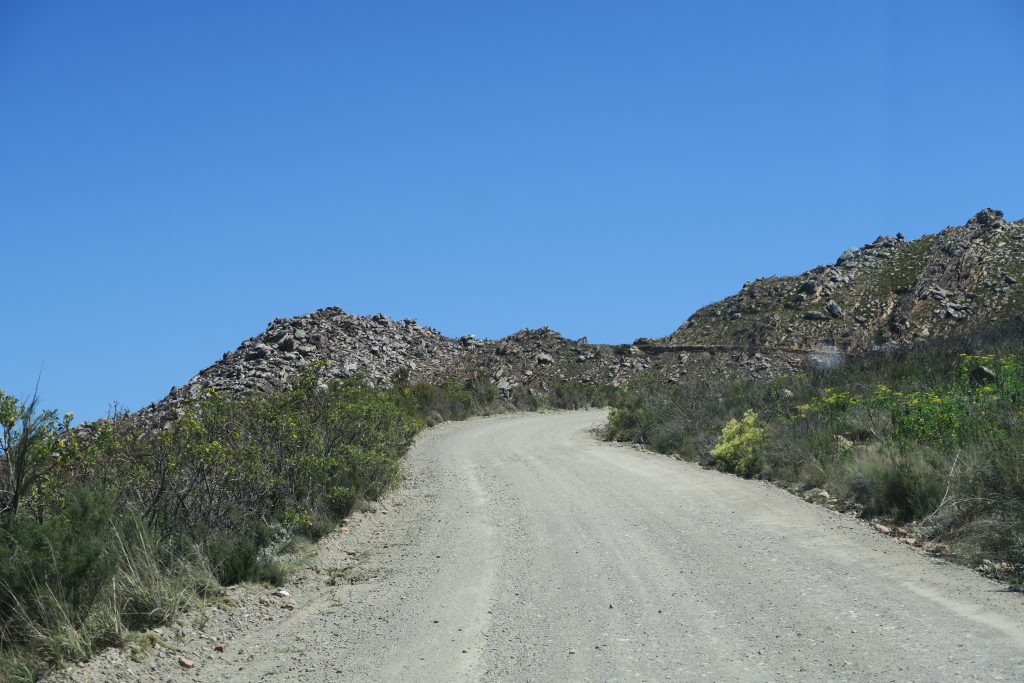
(736, 450)
(28, 440)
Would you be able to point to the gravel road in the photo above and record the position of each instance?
(522, 548)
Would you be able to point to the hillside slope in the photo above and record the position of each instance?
(382, 351)
(959, 280)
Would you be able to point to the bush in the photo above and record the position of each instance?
(233, 559)
(572, 395)
(70, 550)
(148, 512)
(901, 485)
(81, 579)
(630, 423)
(736, 450)
(28, 440)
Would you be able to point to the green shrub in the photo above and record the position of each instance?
(341, 500)
(573, 395)
(901, 485)
(29, 440)
(80, 579)
(233, 559)
(148, 512)
(69, 553)
(524, 399)
(627, 424)
(736, 450)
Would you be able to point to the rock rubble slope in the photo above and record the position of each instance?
(962, 279)
(381, 350)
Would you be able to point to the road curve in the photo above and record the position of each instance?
(522, 548)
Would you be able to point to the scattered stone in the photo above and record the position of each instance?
(846, 256)
(186, 663)
(883, 528)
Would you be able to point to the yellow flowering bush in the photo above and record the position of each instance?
(736, 450)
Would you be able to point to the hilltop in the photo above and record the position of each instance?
(384, 351)
(890, 291)
(960, 280)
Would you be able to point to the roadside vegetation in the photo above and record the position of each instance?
(929, 437)
(115, 527)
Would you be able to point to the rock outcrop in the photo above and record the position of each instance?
(382, 351)
(888, 291)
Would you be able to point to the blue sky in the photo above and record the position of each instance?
(175, 175)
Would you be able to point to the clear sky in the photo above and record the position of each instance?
(173, 175)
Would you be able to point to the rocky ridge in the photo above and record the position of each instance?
(891, 290)
(375, 347)
(382, 350)
(888, 291)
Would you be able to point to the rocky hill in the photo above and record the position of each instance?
(960, 280)
(381, 350)
(890, 290)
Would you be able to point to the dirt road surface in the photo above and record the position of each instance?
(522, 548)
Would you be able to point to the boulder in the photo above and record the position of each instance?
(846, 256)
(986, 218)
(811, 287)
